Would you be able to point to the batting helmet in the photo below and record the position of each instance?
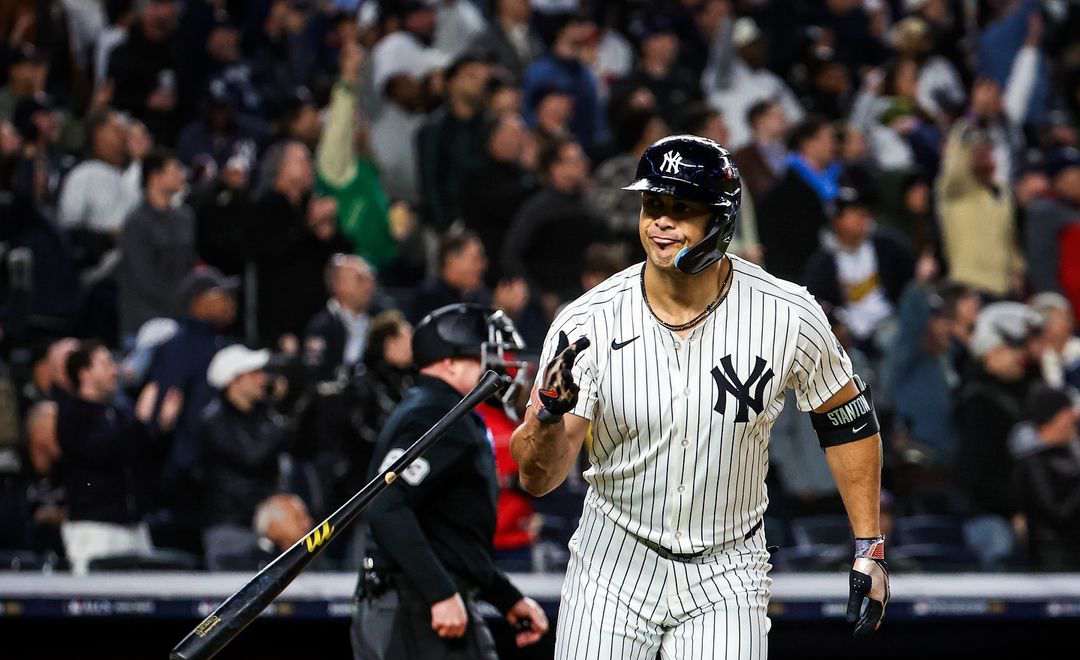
(695, 169)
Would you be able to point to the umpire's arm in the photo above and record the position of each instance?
(856, 468)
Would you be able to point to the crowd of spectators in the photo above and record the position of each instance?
(220, 219)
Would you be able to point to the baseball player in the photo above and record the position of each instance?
(680, 365)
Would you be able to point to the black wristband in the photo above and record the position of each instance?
(545, 416)
(849, 422)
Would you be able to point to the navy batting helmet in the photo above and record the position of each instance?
(696, 169)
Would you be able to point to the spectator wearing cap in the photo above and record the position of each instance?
(1060, 352)
(221, 133)
(450, 144)
(347, 171)
(1046, 482)
(860, 269)
(634, 130)
(242, 439)
(292, 236)
(157, 245)
(145, 68)
(207, 301)
(27, 71)
(462, 263)
(400, 64)
(793, 214)
(920, 377)
(492, 196)
(1051, 218)
(510, 38)
(978, 223)
(763, 160)
(939, 89)
(564, 68)
(107, 454)
(737, 78)
(991, 401)
(297, 118)
(553, 268)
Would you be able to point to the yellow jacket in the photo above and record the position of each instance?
(978, 224)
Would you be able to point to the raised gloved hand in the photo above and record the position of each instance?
(869, 583)
(558, 392)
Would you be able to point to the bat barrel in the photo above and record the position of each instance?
(241, 608)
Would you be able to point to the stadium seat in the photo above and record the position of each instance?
(929, 529)
(828, 531)
(158, 560)
(21, 560)
(990, 538)
(810, 559)
(935, 557)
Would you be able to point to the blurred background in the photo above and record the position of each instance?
(309, 178)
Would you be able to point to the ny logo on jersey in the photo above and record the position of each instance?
(727, 382)
(672, 162)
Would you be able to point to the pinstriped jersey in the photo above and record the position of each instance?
(680, 425)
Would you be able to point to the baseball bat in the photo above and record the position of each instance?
(241, 608)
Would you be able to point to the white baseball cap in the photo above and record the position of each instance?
(1003, 323)
(233, 361)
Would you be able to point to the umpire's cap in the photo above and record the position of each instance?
(697, 169)
(460, 330)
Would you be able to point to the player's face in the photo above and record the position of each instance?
(668, 224)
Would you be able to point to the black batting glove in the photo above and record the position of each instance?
(869, 581)
(558, 392)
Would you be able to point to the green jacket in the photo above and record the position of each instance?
(363, 207)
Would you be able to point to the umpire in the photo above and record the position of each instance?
(433, 528)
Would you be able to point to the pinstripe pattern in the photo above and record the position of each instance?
(665, 466)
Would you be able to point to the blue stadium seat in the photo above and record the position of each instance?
(829, 531)
(158, 560)
(929, 529)
(935, 557)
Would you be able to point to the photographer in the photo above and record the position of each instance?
(242, 439)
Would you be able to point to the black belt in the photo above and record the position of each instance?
(690, 557)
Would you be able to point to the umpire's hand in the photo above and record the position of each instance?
(449, 617)
(558, 392)
(869, 581)
(529, 620)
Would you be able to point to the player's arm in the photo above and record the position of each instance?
(547, 443)
(847, 428)
(856, 468)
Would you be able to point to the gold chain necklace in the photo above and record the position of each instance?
(720, 296)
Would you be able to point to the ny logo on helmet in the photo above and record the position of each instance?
(672, 162)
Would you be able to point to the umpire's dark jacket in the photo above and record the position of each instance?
(435, 524)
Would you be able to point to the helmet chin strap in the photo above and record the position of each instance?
(699, 256)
